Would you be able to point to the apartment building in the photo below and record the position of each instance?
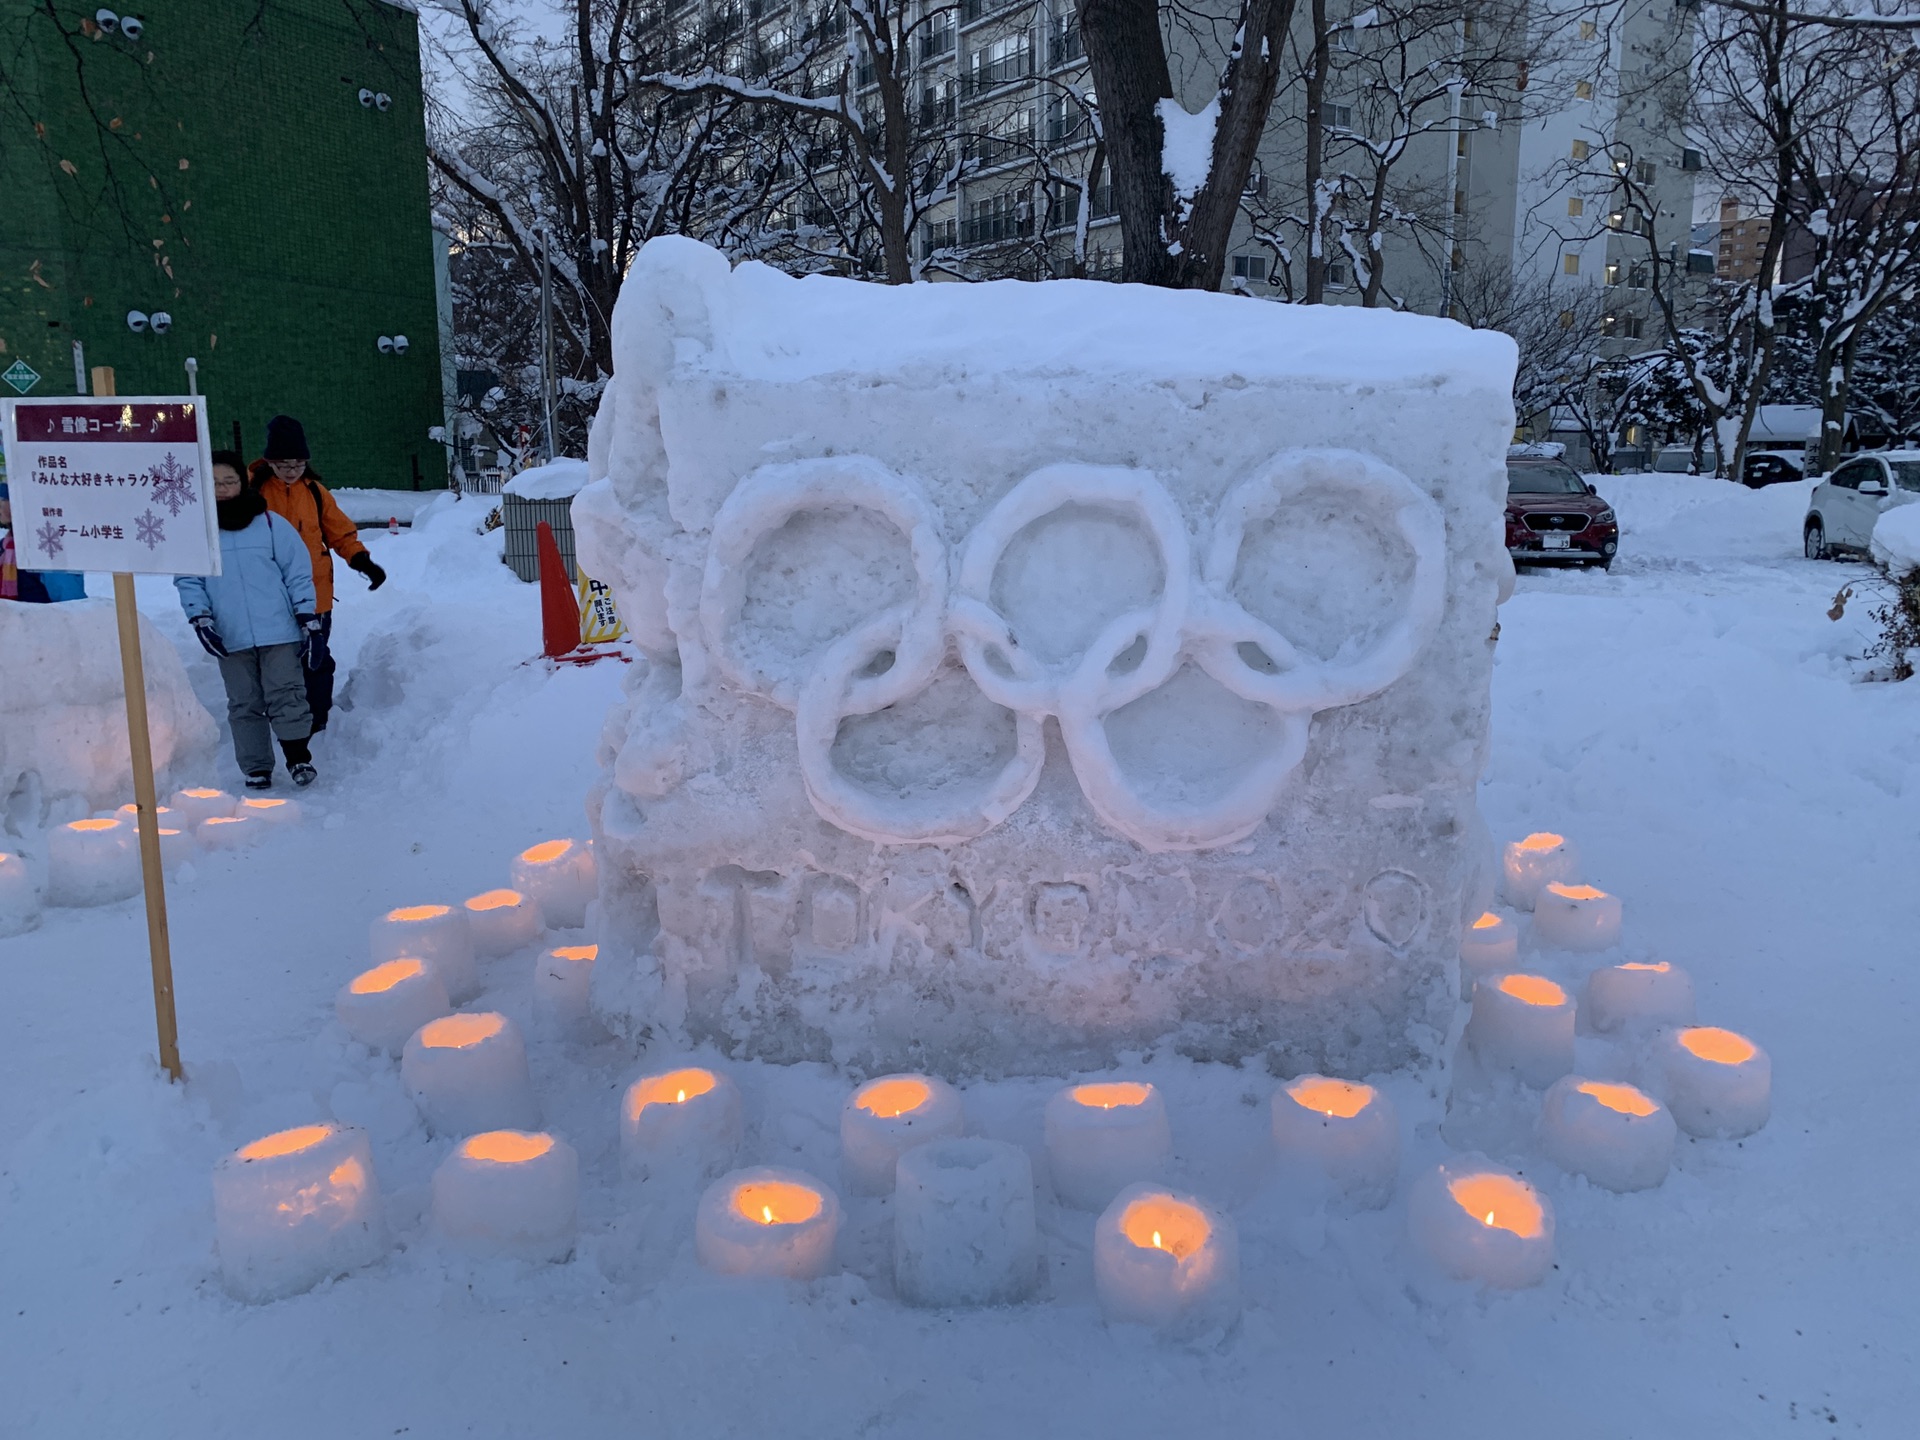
(1742, 241)
(1544, 174)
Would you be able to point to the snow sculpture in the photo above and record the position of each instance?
(64, 736)
(1036, 671)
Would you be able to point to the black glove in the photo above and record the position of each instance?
(311, 641)
(367, 566)
(209, 637)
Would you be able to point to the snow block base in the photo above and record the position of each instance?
(1039, 671)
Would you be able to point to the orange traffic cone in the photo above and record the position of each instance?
(559, 610)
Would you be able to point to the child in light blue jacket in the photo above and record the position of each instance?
(255, 617)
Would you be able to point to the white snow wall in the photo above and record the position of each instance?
(1040, 671)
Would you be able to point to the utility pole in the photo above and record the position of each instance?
(546, 338)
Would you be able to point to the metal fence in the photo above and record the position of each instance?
(522, 519)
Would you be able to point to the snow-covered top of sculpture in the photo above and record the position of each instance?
(1015, 595)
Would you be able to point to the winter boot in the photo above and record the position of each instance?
(303, 774)
(262, 781)
(299, 761)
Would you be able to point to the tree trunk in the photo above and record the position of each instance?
(1315, 290)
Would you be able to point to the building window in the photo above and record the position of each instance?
(1570, 264)
(1644, 171)
(1337, 275)
(1637, 277)
(1580, 150)
(1586, 30)
(1613, 272)
(1251, 268)
(1583, 89)
(1566, 319)
(1340, 117)
(1459, 202)
(1460, 145)
(1576, 206)
(1459, 258)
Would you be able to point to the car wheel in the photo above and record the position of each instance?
(1816, 541)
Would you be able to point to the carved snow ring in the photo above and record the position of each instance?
(1194, 619)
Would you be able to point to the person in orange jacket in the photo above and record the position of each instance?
(293, 491)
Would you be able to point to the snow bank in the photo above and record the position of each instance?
(63, 737)
(1896, 538)
(1040, 669)
(560, 479)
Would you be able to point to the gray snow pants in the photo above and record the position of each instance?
(261, 683)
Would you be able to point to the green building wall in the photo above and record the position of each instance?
(222, 168)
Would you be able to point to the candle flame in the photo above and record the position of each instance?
(1532, 990)
(1156, 1241)
(766, 1214)
(1489, 1220)
(680, 1097)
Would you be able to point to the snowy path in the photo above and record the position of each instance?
(1690, 718)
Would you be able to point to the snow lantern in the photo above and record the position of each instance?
(1165, 1260)
(437, 934)
(269, 810)
(92, 862)
(1719, 1084)
(295, 1208)
(1615, 1135)
(1576, 917)
(199, 802)
(1102, 1138)
(176, 847)
(680, 1125)
(468, 1073)
(130, 813)
(965, 1230)
(956, 717)
(886, 1117)
(767, 1222)
(502, 921)
(1489, 946)
(19, 902)
(1639, 993)
(228, 832)
(1522, 1023)
(562, 977)
(383, 1006)
(1479, 1222)
(509, 1193)
(1531, 864)
(560, 877)
(1340, 1135)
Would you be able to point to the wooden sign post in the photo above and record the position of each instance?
(124, 487)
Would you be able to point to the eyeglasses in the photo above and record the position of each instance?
(280, 467)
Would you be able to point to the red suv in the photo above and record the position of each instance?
(1554, 517)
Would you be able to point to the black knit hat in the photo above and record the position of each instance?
(286, 440)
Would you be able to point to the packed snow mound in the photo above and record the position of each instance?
(63, 737)
(1896, 538)
(560, 479)
(1041, 669)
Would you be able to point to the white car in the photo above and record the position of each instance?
(1845, 504)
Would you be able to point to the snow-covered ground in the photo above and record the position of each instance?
(1692, 718)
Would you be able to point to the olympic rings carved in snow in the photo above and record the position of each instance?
(1194, 617)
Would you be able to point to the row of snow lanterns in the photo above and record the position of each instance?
(298, 1206)
(1714, 1083)
(96, 861)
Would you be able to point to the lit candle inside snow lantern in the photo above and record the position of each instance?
(767, 1222)
(437, 934)
(1165, 1260)
(1719, 1084)
(468, 1073)
(19, 902)
(295, 1208)
(131, 814)
(201, 802)
(1489, 946)
(1523, 1023)
(383, 1006)
(1639, 993)
(679, 1125)
(227, 832)
(1338, 1134)
(502, 921)
(509, 1193)
(888, 1116)
(1616, 1136)
(92, 862)
(965, 1231)
(560, 877)
(1576, 917)
(562, 978)
(1102, 1138)
(1479, 1222)
(269, 809)
(1532, 863)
